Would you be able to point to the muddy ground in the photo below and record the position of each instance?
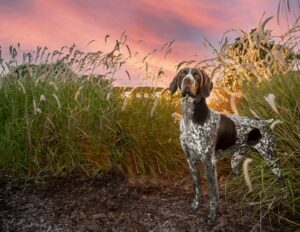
(111, 203)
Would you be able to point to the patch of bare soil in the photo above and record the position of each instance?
(110, 203)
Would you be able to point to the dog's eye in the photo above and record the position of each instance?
(183, 73)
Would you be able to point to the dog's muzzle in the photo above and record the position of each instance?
(188, 87)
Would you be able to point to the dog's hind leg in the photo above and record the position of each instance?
(266, 148)
(237, 158)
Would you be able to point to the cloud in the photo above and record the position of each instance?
(58, 23)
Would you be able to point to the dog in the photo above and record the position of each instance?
(206, 134)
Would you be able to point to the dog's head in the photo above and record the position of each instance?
(192, 82)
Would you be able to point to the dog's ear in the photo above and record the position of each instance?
(207, 85)
(174, 84)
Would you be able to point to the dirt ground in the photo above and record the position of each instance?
(111, 203)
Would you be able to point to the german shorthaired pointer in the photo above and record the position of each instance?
(206, 134)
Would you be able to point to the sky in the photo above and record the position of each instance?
(148, 24)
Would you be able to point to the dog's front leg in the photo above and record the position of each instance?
(194, 170)
(211, 174)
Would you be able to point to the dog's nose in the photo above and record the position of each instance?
(187, 81)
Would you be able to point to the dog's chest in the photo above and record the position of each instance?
(199, 139)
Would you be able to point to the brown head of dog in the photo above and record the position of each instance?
(192, 82)
(196, 84)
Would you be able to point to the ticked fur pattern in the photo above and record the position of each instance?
(206, 134)
(199, 142)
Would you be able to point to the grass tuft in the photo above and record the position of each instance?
(285, 89)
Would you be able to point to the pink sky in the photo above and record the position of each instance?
(56, 23)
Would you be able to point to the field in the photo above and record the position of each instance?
(63, 131)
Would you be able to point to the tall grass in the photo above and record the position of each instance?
(56, 122)
(47, 124)
(148, 142)
(251, 56)
(58, 117)
(267, 196)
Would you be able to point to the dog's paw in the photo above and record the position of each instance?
(235, 171)
(212, 217)
(210, 220)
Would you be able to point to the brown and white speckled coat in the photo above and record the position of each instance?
(206, 134)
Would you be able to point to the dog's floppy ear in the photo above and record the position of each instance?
(207, 85)
(174, 84)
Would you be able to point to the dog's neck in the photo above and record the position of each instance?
(188, 109)
(194, 109)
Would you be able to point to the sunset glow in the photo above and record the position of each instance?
(148, 25)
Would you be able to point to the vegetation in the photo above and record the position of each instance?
(148, 142)
(252, 56)
(256, 77)
(54, 126)
(56, 121)
(47, 123)
(285, 110)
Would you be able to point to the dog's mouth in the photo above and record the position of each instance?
(187, 93)
(188, 87)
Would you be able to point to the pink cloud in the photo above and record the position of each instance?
(58, 23)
